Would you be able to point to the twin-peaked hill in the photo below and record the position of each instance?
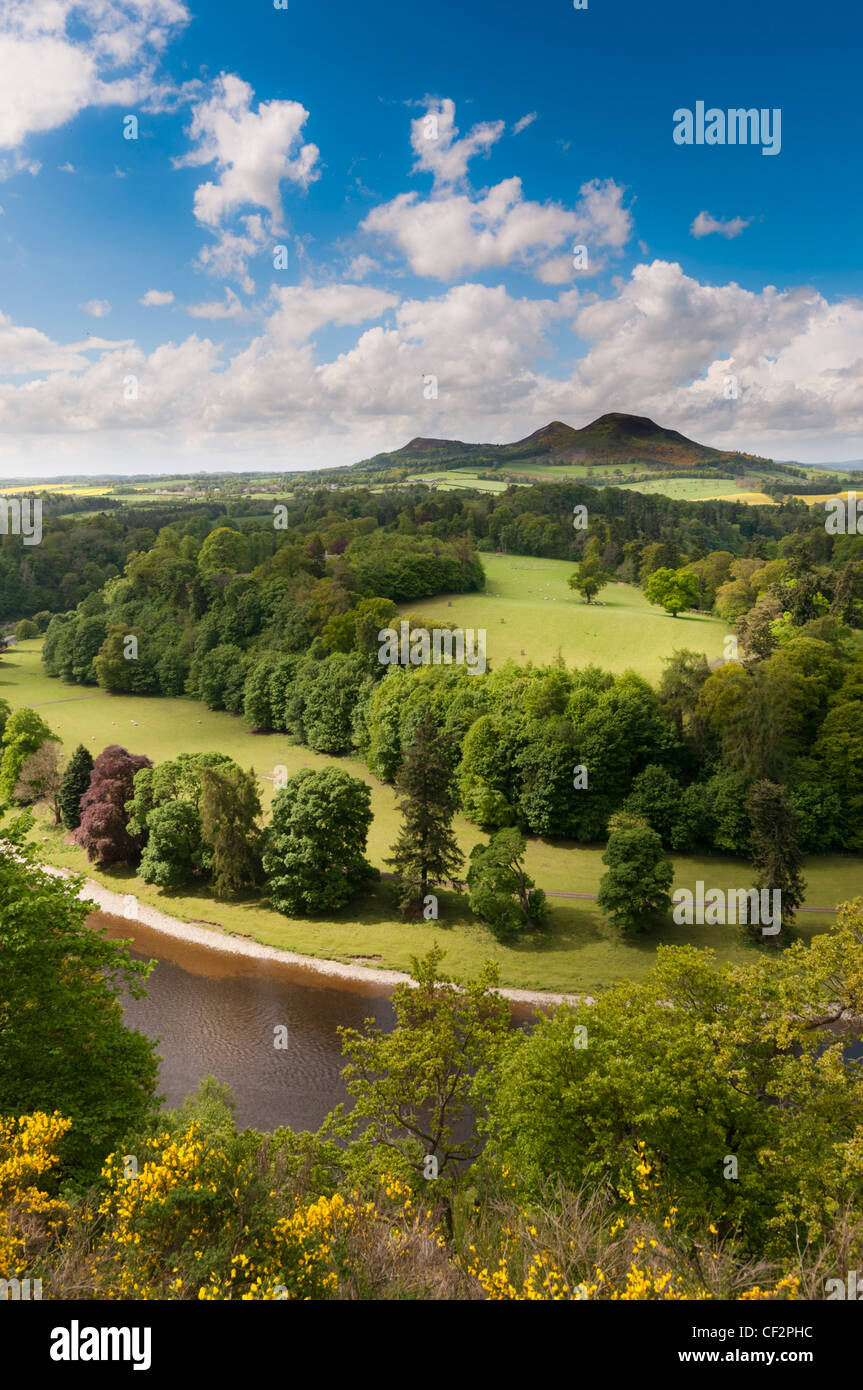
(611, 439)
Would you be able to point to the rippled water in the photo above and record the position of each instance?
(216, 1013)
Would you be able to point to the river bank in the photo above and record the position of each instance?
(215, 938)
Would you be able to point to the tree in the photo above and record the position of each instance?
(166, 812)
(120, 666)
(655, 798)
(684, 675)
(26, 629)
(63, 1043)
(24, 733)
(230, 807)
(776, 855)
(103, 831)
(589, 578)
(426, 850)
(76, 780)
(699, 1061)
(424, 1083)
(220, 677)
(314, 857)
(672, 590)
(40, 779)
(224, 551)
(175, 852)
(635, 890)
(501, 893)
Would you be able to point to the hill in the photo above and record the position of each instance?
(611, 439)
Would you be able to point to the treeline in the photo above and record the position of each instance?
(78, 556)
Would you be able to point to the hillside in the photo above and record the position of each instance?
(611, 439)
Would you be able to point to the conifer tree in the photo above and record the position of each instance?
(426, 851)
(776, 854)
(76, 780)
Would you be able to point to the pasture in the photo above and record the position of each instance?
(530, 614)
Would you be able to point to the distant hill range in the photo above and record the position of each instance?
(612, 439)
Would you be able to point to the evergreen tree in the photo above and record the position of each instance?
(777, 857)
(76, 780)
(426, 851)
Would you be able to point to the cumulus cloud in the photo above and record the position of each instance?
(60, 56)
(705, 225)
(254, 151)
(25, 350)
(361, 266)
(231, 307)
(156, 298)
(437, 149)
(454, 233)
(96, 308)
(228, 256)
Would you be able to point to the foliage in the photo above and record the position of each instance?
(426, 850)
(501, 893)
(64, 1044)
(634, 891)
(103, 831)
(314, 856)
(76, 780)
(24, 733)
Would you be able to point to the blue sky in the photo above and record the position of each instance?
(430, 170)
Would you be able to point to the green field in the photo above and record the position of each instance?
(530, 614)
(686, 489)
(577, 953)
(448, 478)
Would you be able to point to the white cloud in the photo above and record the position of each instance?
(254, 151)
(524, 123)
(439, 152)
(302, 309)
(66, 168)
(454, 233)
(96, 308)
(60, 56)
(156, 298)
(25, 350)
(361, 266)
(228, 256)
(231, 307)
(705, 224)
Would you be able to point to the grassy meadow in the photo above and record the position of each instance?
(530, 614)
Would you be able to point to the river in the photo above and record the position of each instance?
(216, 1014)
